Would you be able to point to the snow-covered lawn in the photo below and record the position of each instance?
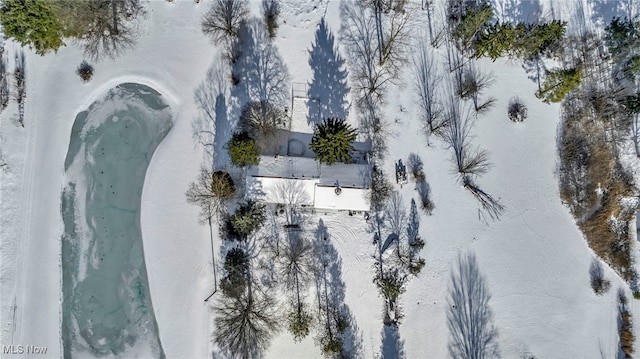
(533, 262)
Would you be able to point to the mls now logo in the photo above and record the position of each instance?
(23, 349)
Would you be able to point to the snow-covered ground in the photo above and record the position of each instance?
(534, 261)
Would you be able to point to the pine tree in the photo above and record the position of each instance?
(621, 35)
(234, 283)
(332, 141)
(243, 150)
(248, 218)
(33, 23)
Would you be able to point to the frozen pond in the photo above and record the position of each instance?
(106, 309)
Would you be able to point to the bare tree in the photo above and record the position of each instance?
(473, 84)
(222, 20)
(635, 130)
(380, 189)
(396, 218)
(296, 265)
(358, 34)
(260, 70)
(426, 83)
(105, 28)
(261, 119)
(19, 76)
(245, 324)
(392, 25)
(271, 11)
(467, 161)
(4, 80)
(210, 191)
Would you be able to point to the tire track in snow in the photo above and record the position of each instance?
(25, 211)
(344, 234)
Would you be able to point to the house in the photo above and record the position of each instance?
(293, 176)
(306, 182)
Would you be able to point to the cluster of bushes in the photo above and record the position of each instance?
(597, 118)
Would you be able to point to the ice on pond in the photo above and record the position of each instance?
(107, 308)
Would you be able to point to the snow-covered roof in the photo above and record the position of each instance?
(354, 199)
(303, 180)
(286, 167)
(282, 190)
(347, 175)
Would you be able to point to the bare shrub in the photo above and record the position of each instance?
(271, 11)
(599, 284)
(517, 111)
(473, 85)
(85, 71)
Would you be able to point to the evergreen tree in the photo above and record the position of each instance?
(558, 84)
(522, 41)
(33, 23)
(472, 22)
(234, 284)
(243, 150)
(248, 218)
(622, 35)
(332, 141)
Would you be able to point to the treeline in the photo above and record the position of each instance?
(103, 28)
(599, 119)
(477, 35)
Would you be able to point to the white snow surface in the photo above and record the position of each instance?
(535, 261)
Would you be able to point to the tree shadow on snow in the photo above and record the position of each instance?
(514, 11)
(212, 128)
(603, 11)
(328, 278)
(328, 88)
(392, 344)
(472, 333)
(257, 70)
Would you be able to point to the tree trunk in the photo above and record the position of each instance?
(114, 10)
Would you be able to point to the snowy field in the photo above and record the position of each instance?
(534, 261)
